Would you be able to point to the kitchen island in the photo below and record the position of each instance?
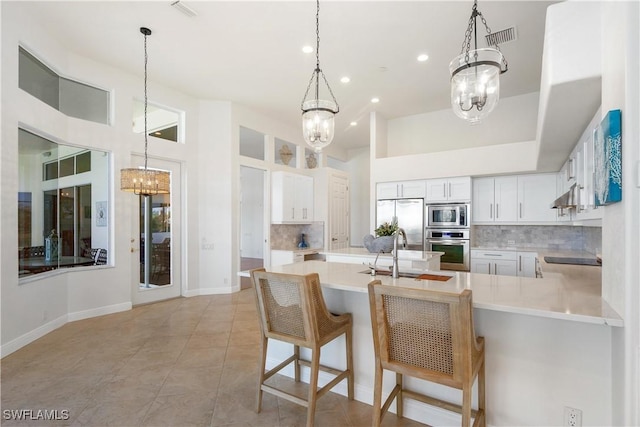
(547, 344)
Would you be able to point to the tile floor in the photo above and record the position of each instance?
(182, 362)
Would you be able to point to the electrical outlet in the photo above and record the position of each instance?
(511, 242)
(572, 417)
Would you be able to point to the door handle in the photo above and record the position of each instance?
(333, 239)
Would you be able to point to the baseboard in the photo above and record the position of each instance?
(413, 409)
(100, 311)
(32, 335)
(211, 291)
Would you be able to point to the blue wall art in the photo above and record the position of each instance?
(607, 140)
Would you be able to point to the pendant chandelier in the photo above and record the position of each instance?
(475, 75)
(318, 115)
(145, 182)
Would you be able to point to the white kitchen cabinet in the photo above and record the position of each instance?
(495, 199)
(279, 257)
(513, 199)
(501, 263)
(527, 264)
(448, 190)
(535, 195)
(400, 190)
(291, 198)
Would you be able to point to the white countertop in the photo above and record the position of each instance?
(553, 296)
(402, 254)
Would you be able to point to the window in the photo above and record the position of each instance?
(68, 96)
(161, 122)
(59, 186)
(251, 143)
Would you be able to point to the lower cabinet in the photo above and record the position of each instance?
(528, 264)
(504, 263)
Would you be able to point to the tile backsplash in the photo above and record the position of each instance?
(287, 236)
(559, 237)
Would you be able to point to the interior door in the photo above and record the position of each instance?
(339, 208)
(158, 275)
(253, 229)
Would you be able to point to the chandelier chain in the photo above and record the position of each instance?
(318, 34)
(146, 58)
(318, 71)
(466, 43)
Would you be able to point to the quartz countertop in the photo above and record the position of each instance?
(402, 254)
(556, 295)
(300, 250)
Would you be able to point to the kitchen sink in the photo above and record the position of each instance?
(417, 276)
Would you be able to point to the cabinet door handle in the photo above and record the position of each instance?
(520, 207)
(449, 190)
(520, 259)
(497, 211)
(293, 213)
(489, 267)
(491, 211)
(444, 188)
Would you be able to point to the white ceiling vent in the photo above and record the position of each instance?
(502, 36)
(179, 5)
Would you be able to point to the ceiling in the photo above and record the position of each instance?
(250, 52)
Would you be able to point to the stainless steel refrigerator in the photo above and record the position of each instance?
(410, 216)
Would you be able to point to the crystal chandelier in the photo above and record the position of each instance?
(475, 75)
(318, 115)
(145, 182)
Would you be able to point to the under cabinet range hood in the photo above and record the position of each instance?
(567, 200)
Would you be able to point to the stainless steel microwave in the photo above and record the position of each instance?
(449, 215)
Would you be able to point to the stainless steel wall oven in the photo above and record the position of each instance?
(455, 245)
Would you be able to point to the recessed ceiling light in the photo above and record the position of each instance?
(353, 123)
(375, 100)
(345, 79)
(423, 57)
(307, 49)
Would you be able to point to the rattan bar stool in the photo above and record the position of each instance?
(429, 335)
(292, 309)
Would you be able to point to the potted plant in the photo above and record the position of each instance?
(383, 242)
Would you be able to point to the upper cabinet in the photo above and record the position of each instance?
(291, 198)
(448, 190)
(522, 198)
(400, 190)
(535, 194)
(495, 199)
(579, 170)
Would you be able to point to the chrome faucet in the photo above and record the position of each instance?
(395, 273)
(373, 267)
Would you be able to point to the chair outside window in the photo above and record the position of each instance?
(292, 309)
(429, 335)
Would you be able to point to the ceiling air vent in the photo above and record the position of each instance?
(502, 36)
(178, 5)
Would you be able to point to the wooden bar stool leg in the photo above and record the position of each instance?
(313, 386)
(466, 405)
(263, 365)
(399, 402)
(377, 397)
(296, 363)
(349, 345)
(481, 395)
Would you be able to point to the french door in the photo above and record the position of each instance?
(156, 239)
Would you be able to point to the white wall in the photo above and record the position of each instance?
(359, 177)
(514, 119)
(37, 305)
(621, 225)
